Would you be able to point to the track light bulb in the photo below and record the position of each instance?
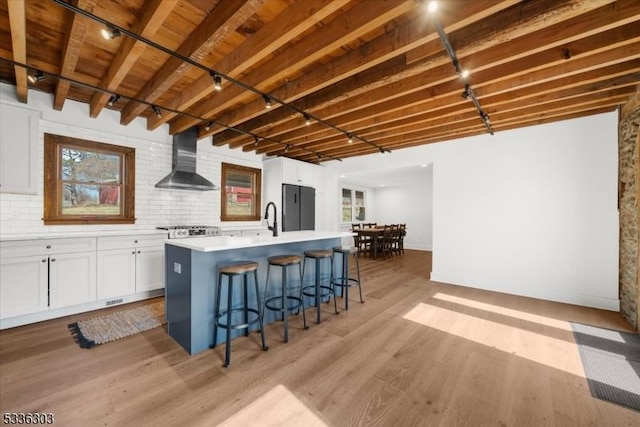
(208, 126)
(286, 149)
(156, 111)
(307, 119)
(267, 101)
(217, 81)
(255, 140)
(38, 76)
(432, 6)
(350, 138)
(464, 74)
(110, 32)
(113, 100)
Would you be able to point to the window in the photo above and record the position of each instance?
(87, 182)
(353, 205)
(240, 195)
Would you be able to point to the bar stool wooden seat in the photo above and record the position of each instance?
(224, 319)
(318, 291)
(345, 281)
(280, 303)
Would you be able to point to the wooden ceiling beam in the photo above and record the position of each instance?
(152, 16)
(18, 25)
(503, 78)
(554, 36)
(217, 25)
(347, 27)
(501, 106)
(621, 74)
(383, 53)
(76, 30)
(297, 19)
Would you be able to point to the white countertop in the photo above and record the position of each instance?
(223, 243)
(72, 234)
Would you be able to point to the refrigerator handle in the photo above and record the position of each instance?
(295, 198)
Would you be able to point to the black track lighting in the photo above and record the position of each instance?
(217, 80)
(110, 32)
(113, 100)
(208, 126)
(350, 138)
(307, 119)
(156, 111)
(255, 140)
(464, 74)
(286, 149)
(38, 76)
(267, 101)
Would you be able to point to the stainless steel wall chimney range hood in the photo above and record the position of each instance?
(183, 174)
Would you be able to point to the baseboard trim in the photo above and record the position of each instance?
(26, 319)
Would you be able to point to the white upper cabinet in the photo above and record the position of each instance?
(18, 149)
(298, 173)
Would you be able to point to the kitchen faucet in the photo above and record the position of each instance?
(275, 218)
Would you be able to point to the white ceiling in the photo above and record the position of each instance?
(387, 177)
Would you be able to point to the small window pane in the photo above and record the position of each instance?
(241, 196)
(82, 199)
(88, 166)
(346, 205)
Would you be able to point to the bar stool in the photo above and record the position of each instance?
(283, 307)
(317, 290)
(231, 270)
(345, 281)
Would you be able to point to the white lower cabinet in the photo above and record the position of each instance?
(46, 278)
(149, 268)
(72, 279)
(130, 264)
(116, 273)
(24, 285)
(39, 275)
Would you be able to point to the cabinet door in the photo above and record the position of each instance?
(116, 273)
(23, 285)
(18, 150)
(149, 269)
(306, 175)
(72, 279)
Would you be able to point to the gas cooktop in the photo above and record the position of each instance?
(182, 231)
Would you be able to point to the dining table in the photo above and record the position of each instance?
(374, 234)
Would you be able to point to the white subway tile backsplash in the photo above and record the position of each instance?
(20, 213)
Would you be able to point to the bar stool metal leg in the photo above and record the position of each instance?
(227, 350)
(282, 306)
(345, 281)
(261, 320)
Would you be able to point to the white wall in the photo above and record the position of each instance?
(21, 213)
(531, 211)
(409, 204)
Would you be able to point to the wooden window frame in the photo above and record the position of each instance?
(257, 193)
(53, 185)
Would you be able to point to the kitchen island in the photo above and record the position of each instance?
(191, 266)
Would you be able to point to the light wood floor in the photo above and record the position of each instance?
(417, 353)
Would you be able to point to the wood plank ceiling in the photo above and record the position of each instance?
(373, 70)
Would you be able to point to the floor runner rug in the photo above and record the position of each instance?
(110, 327)
(611, 361)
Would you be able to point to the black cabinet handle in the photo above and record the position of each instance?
(53, 260)
(44, 260)
(48, 246)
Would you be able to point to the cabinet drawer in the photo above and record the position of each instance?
(17, 248)
(138, 241)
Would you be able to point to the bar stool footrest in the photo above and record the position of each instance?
(296, 306)
(328, 292)
(239, 325)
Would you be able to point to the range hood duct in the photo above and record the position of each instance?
(183, 174)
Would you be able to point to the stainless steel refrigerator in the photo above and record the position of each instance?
(298, 207)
